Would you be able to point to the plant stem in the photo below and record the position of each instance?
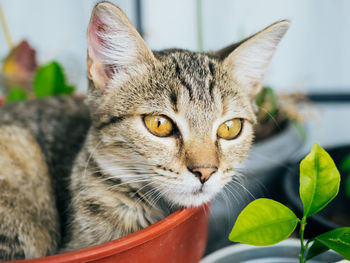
(301, 236)
(5, 28)
(199, 25)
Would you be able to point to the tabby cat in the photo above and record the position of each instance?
(157, 130)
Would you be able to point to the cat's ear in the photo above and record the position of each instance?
(114, 45)
(250, 58)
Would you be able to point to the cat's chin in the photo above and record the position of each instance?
(196, 198)
(191, 193)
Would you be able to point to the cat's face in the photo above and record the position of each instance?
(175, 122)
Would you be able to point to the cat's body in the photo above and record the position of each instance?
(58, 125)
(159, 129)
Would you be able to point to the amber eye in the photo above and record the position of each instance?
(230, 129)
(159, 125)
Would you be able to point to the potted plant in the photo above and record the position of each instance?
(337, 213)
(278, 125)
(21, 76)
(24, 79)
(265, 222)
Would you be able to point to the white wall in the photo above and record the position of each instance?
(314, 54)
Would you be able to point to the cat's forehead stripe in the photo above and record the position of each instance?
(196, 74)
(181, 77)
(173, 100)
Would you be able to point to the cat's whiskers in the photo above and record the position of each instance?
(144, 196)
(237, 197)
(149, 195)
(136, 179)
(246, 190)
(229, 190)
(124, 168)
(236, 178)
(247, 177)
(166, 173)
(172, 203)
(159, 193)
(234, 193)
(228, 201)
(112, 187)
(114, 177)
(128, 177)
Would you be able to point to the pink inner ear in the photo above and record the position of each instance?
(95, 29)
(96, 43)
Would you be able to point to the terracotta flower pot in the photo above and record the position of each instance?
(180, 237)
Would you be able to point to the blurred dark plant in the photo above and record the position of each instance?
(267, 102)
(275, 112)
(345, 167)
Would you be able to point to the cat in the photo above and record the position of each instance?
(157, 130)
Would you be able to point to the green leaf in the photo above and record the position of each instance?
(16, 94)
(316, 249)
(68, 90)
(263, 222)
(337, 240)
(49, 80)
(319, 180)
(345, 164)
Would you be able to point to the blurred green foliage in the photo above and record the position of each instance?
(49, 80)
(16, 94)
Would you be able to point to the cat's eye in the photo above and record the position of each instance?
(230, 129)
(159, 125)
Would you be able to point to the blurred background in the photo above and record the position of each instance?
(312, 59)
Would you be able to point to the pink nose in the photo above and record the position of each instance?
(203, 173)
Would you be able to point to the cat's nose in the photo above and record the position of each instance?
(203, 173)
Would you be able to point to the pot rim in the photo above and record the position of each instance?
(237, 248)
(121, 244)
